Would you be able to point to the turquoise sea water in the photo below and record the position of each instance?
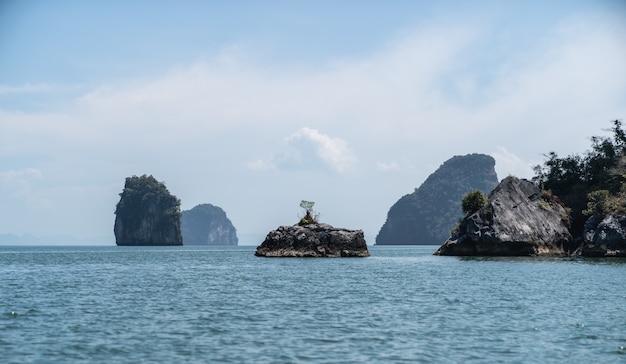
(223, 304)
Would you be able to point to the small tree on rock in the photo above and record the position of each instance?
(473, 201)
(310, 216)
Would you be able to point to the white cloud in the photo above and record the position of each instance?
(508, 163)
(400, 87)
(21, 186)
(308, 149)
(396, 94)
(386, 167)
(18, 181)
(563, 88)
(259, 165)
(228, 92)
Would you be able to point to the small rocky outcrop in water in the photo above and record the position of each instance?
(313, 240)
(207, 224)
(517, 221)
(604, 236)
(147, 214)
(426, 215)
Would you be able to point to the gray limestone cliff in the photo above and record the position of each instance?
(207, 224)
(604, 236)
(517, 221)
(147, 214)
(313, 240)
(426, 215)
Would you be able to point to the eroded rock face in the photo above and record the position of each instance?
(516, 221)
(147, 214)
(604, 237)
(314, 240)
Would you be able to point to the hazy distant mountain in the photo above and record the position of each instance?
(427, 215)
(206, 224)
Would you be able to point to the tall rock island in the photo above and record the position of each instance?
(426, 215)
(207, 224)
(518, 220)
(147, 214)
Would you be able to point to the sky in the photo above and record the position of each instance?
(254, 106)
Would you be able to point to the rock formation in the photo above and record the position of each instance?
(147, 214)
(517, 221)
(426, 215)
(604, 236)
(313, 240)
(207, 224)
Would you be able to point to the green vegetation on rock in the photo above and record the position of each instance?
(473, 201)
(592, 183)
(310, 216)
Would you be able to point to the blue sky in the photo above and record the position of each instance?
(256, 105)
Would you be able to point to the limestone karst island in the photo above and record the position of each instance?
(207, 224)
(148, 215)
(427, 215)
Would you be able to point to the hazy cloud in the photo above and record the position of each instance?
(19, 187)
(412, 89)
(508, 163)
(18, 181)
(386, 167)
(308, 149)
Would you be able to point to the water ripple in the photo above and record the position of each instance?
(225, 305)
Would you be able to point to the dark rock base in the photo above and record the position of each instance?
(604, 237)
(314, 240)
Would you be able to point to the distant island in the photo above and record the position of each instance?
(206, 224)
(427, 215)
(147, 214)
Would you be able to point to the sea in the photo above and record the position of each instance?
(212, 304)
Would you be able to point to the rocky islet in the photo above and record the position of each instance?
(313, 240)
(518, 220)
